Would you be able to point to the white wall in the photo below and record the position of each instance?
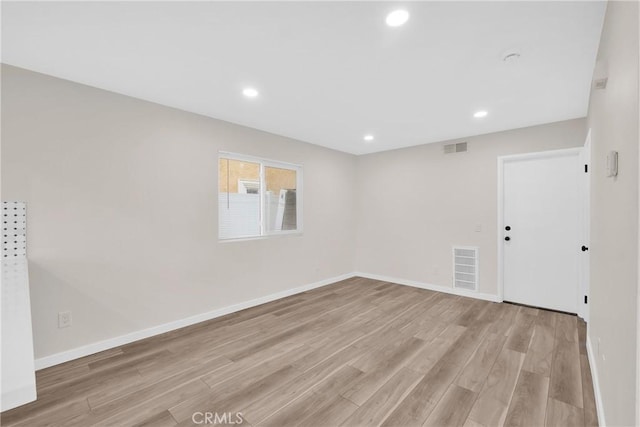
(613, 119)
(414, 204)
(122, 210)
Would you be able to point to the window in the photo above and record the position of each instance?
(258, 197)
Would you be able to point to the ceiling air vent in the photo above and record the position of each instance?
(465, 268)
(455, 148)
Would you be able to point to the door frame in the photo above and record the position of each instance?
(514, 158)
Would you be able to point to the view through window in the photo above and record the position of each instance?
(257, 197)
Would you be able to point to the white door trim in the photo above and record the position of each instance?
(501, 162)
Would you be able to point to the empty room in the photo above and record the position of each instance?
(320, 213)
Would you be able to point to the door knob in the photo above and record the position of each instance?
(507, 228)
(584, 248)
(507, 238)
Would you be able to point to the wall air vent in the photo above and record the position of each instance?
(455, 148)
(465, 268)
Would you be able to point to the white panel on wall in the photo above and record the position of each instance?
(14, 229)
(465, 267)
(18, 368)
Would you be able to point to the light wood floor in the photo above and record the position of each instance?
(355, 353)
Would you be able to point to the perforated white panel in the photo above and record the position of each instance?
(14, 229)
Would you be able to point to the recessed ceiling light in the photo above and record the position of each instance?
(397, 18)
(480, 114)
(368, 138)
(250, 92)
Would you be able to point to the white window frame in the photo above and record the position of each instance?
(266, 163)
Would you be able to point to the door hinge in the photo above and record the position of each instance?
(586, 168)
(586, 299)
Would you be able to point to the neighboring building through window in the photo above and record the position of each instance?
(258, 197)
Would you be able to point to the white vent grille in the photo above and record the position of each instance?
(14, 230)
(465, 268)
(460, 147)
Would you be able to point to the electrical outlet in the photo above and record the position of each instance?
(64, 319)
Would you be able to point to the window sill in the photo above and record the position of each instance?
(266, 237)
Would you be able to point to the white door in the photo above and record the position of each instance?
(541, 229)
(583, 289)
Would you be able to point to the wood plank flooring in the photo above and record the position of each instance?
(356, 353)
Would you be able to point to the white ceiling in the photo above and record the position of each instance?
(327, 72)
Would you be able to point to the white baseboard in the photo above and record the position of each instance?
(76, 353)
(596, 381)
(437, 288)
